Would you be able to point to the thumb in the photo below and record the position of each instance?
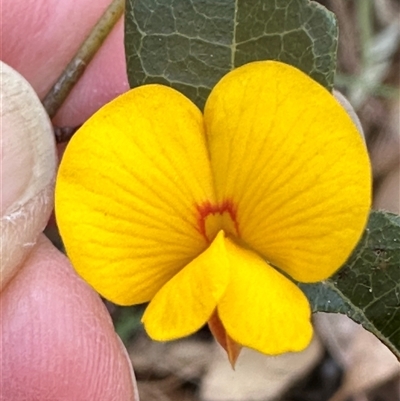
(28, 167)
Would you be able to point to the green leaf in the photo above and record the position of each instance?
(367, 288)
(190, 45)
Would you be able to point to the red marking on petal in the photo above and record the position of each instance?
(207, 208)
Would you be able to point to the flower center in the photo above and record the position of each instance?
(215, 217)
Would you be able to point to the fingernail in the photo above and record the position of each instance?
(28, 166)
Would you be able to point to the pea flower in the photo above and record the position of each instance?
(211, 218)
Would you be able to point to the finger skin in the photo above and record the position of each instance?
(39, 38)
(58, 341)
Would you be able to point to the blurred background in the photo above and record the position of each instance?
(368, 73)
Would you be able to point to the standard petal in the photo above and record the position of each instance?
(289, 159)
(127, 191)
(189, 299)
(262, 309)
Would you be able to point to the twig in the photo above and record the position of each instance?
(76, 67)
(64, 134)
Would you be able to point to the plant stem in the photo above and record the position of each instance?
(77, 66)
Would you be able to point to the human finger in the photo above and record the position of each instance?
(40, 38)
(58, 339)
(28, 167)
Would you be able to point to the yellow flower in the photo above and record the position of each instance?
(210, 217)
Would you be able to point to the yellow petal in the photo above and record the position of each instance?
(261, 308)
(291, 163)
(127, 191)
(188, 300)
